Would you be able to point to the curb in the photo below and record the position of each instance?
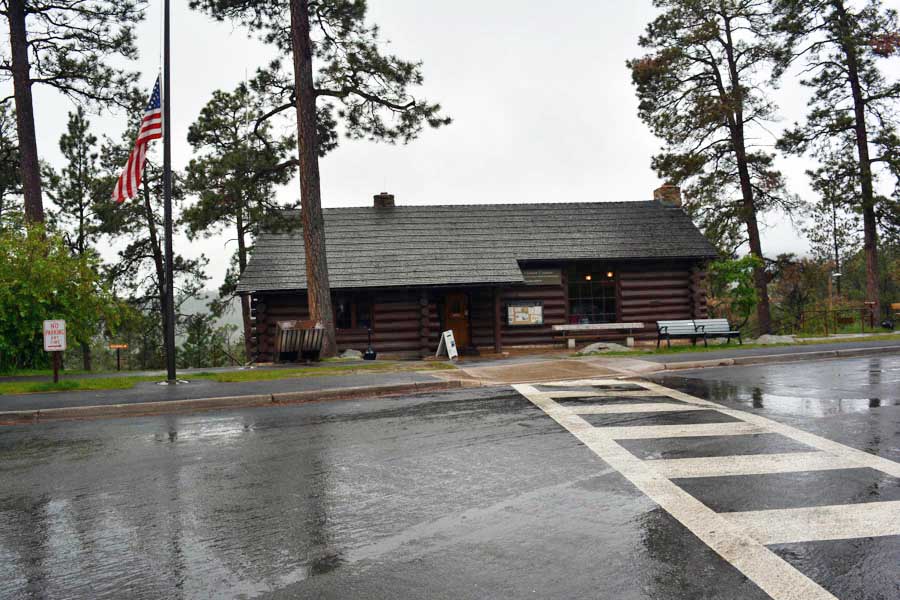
(177, 406)
(779, 358)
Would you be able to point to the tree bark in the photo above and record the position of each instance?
(870, 231)
(157, 256)
(736, 125)
(318, 287)
(21, 74)
(86, 355)
(245, 297)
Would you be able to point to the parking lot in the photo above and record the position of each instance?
(756, 482)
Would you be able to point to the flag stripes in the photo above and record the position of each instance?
(151, 129)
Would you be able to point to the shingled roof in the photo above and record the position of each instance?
(471, 244)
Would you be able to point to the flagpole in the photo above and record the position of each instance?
(167, 199)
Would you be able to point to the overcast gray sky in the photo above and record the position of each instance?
(543, 106)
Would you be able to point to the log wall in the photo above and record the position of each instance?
(408, 322)
(481, 303)
(400, 323)
(653, 293)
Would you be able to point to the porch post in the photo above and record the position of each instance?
(498, 321)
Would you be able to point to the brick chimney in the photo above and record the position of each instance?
(669, 195)
(384, 200)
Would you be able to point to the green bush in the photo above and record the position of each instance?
(40, 279)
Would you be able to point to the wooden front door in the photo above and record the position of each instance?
(456, 317)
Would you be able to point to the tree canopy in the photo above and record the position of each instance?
(238, 162)
(371, 88)
(78, 190)
(10, 175)
(852, 110)
(42, 279)
(66, 45)
(703, 90)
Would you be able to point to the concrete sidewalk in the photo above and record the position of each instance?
(155, 398)
(521, 370)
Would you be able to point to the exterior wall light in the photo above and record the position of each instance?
(587, 277)
(609, 274)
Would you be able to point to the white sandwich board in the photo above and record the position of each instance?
(447, 345)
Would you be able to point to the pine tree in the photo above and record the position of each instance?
(66, 45)
(139, 270)
(10, 175)
(851, 100)
(77, 191)
(702, 90)
(372, 88)
(834, 229)
(236, 167)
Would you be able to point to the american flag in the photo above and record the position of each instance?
(151, 129)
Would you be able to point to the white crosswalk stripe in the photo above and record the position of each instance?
(641, 432)
(740, 538)
(650, 407)
(816, 523)
(753, 464)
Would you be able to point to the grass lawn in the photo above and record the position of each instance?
(845, 330)
(126, 382)
(47, 372)
(687, 348)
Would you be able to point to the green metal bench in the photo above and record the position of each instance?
(669, 330)
(716, 328)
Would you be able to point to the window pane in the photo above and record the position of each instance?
(594, 300)
(363, 312)
(343, 317)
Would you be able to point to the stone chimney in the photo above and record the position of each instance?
(669, 195)
(384, 200)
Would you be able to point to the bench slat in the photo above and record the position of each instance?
(598, 327)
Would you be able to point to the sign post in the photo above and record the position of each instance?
(55, 343)
(118, 348)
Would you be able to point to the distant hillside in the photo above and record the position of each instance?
(200, 304)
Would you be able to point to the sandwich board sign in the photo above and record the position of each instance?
(54, 335)
(447, 345)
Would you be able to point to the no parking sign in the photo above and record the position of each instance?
(55, 335)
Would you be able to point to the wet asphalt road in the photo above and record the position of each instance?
(470, 494)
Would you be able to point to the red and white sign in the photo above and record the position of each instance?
(54, 335)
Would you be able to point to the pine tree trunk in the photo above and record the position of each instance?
(157, 256)
(245, 297)
(870, 231)
(86, 355)
(318, 288)
(736, 126)
(21, 74)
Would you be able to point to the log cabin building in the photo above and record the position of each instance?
(498, 275)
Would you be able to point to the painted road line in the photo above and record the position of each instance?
(859, 458)
(600, 394)
(768, 571)
(643, 432)
(750, 464)
(650, 407)
(819, 523)
(589, 383)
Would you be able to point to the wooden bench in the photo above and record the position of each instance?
(589, 331)
(695, 329)
(302, 339)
